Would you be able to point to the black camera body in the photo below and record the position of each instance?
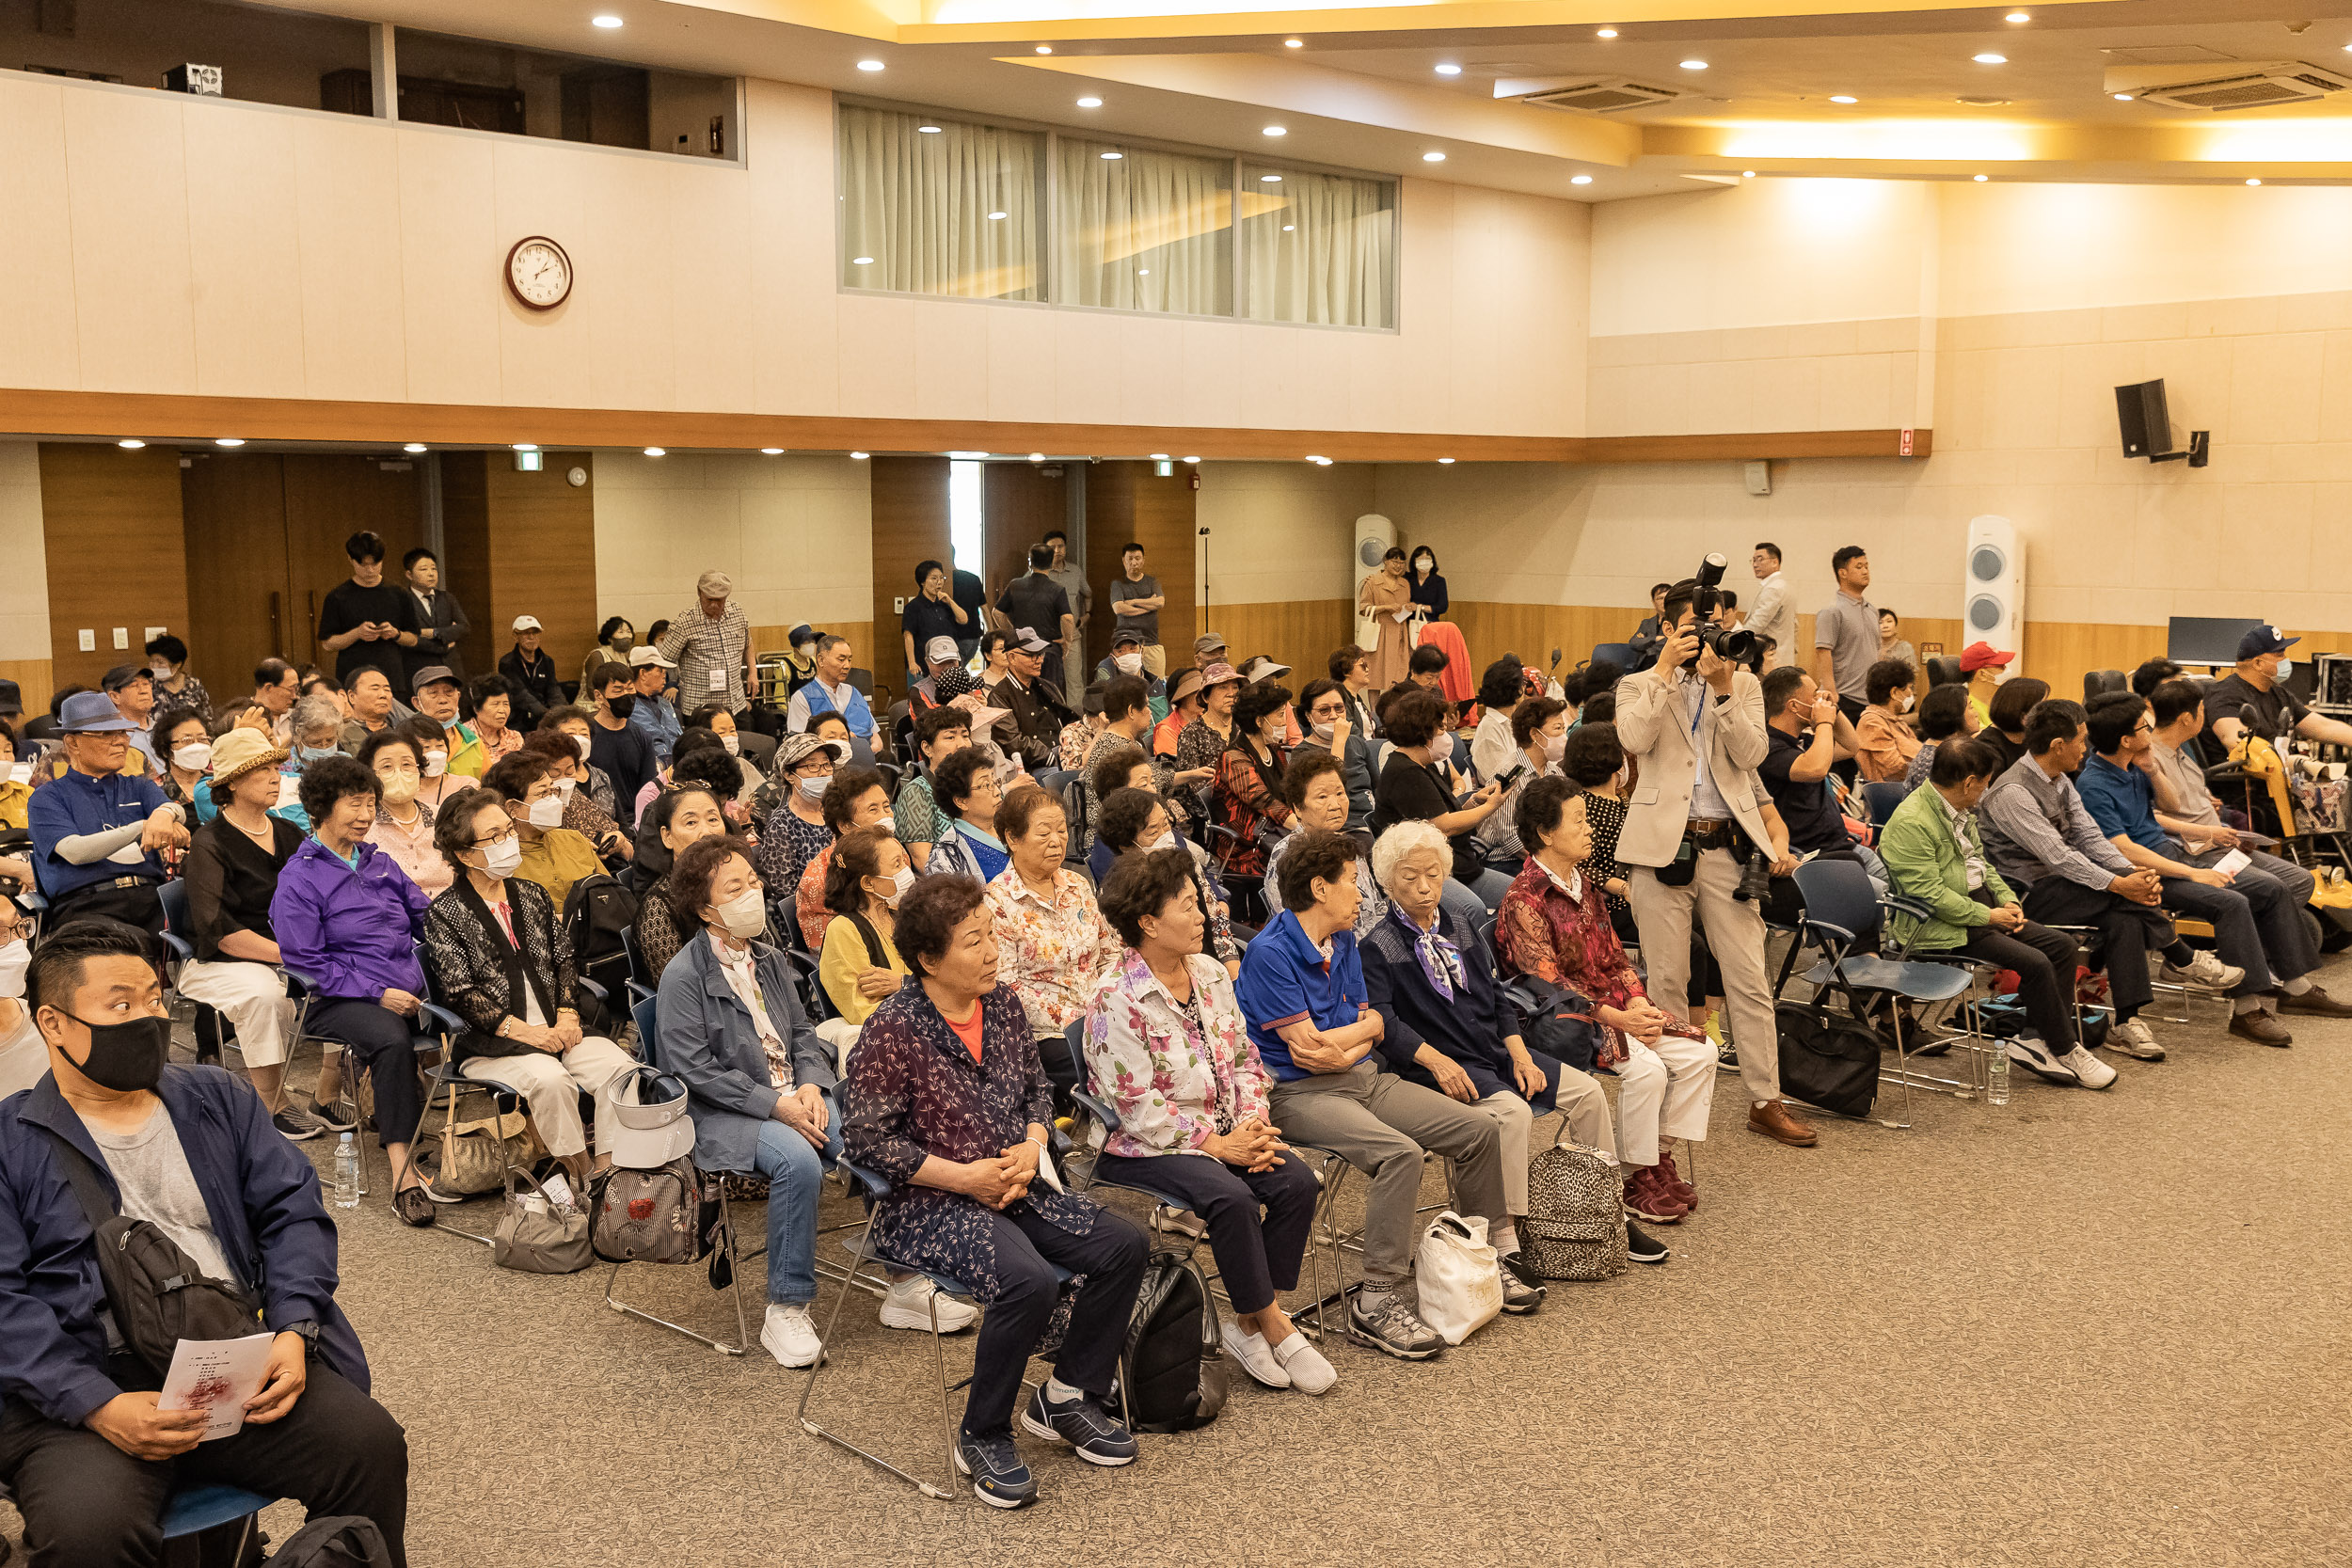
(1755, 878)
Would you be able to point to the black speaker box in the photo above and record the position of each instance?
(2147, 423)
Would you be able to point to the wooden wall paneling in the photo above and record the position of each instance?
(1128, 502)
(1301, 634)
(466, 551)
(541, 549)
(1532, 632)
(33, 681)
(1023, 505)
(234, 506)
(330, 497)
(910, 511)
(111, 529)
(777, 640)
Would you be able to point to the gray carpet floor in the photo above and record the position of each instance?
(2082, 1328)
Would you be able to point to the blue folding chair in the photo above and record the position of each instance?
(1881, 799)
(193, 1510)
(1842, 913)
(211, 1029)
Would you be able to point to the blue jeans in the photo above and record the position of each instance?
(794, 1172)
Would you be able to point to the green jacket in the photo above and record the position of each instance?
(1925, 862)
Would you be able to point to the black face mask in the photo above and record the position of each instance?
(622, 706)
(126, 1057)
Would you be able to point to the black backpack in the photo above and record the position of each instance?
(340, 1541)
(598, 914)
(156, 1294)
(1554, 1021)
(1173, 1367)
(1828, 1061)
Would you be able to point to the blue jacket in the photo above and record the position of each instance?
(261, 1195)
(709, 1040)
(1470, 1026)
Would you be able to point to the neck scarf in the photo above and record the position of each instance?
(1440, 961)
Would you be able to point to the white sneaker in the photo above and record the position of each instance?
(789, 1336)
(2090, 1072)
(2204, 970)
(908, 1305)
(2029, 1052)
(1255, 1355)
(1309, 1372)
(2135, 1040)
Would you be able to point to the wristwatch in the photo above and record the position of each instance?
(309, 1329)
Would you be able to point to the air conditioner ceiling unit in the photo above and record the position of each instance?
(1592, 94)
(2257, 85)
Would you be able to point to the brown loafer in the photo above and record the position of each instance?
(413, 1207)
(1773, 1119)
(2262, 1028)
(2315, 1002)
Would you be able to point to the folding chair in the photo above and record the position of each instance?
(193, 1510)
(1881, 799)
(1841, 912)
(211, 1030)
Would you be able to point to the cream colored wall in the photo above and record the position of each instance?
(206, 247)
(1281, 530)
(25, 586)
(796, 534)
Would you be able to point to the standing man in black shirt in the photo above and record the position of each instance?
(620, 747)
(366, 623)
(970, 593)
(436, 617)
(1039, 602)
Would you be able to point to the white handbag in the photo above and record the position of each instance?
(1460, 1280)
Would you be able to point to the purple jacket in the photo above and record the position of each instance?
(355, 930)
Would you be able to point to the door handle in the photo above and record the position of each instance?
(276, 625)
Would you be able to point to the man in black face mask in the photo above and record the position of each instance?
(614, 744)
(84, 1445)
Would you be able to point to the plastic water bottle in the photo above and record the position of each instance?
(347, 1173)
(1995, 1077)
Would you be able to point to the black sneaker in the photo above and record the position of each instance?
(998, 1477)
(297, 1124)
(1082, 1423)
(1728, 1057)
(1642, 1247)
(332, 1117)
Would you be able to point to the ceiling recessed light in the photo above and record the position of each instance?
(1983, 102)
(1579, 179)
(1843, 98)
(1294, 43)
(1433, 157)
(413, 446)
(1269, 179)
(861, 261)
(859, 456)
(657, 451)
(1313, 458)
(1090, 102)
(993, 217)
(1448, 68)
(869, 65)
(1278, 131)
(771, 452)
(1988, 57)
(928, 130)
(526, 446)
(1113, 157)
(968, 456)
(1980, 178)
(1606, 33)
(2126, 98)
(1188, 460)
(1445, 460)
(2253, 182)
(2018, 16)
(1044, 48)
(1159, 457)
(1037, 457)
(1694, 65)
(229, 441)
(1747, 174)
(131, 443)
(605, 21)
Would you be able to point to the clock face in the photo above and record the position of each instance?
(538, 273)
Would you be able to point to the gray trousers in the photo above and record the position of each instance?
(1380, 1124)
(1735, 934)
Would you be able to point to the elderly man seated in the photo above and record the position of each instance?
(2185, 806)
(98, 830)
(1446, 1026)
(1311, 1016)
(2257, 928)
(2044, 839)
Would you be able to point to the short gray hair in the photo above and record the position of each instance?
(315, 713)
(1390, 850)
(827, 642)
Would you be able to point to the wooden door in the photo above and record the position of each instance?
(328, 498)
(234, 508)
(909, 509)
(1023, 504)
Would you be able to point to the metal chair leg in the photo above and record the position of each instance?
(939, 1353)
(742, 1328)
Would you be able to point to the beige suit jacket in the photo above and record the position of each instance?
(1654, 726)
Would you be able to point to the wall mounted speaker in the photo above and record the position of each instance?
(1375, 537)
(2145, 421)
(1993, 592)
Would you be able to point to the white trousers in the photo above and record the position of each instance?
(251, 996)
(1664, 1091)
(1587, 1106)
(551, 1086)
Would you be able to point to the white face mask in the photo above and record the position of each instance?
(13, 960)
(1904, 707)
(814, 788)
(1129, 664)
(743, 916)
(159, 670)
(887, 824)
(1555, 747)
(581, 741)
(1321, 731)
(1165, 841)
(1422, 563)
(195, 756)
(499, 860)
(902, 880)
(1442, 749)
(546, 812)
(733, 743)
(20, 772)
(436, 764)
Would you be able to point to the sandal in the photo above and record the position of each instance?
(413, 1207)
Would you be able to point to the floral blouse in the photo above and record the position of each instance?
(1196, 746)
(1559, 933)
(1053, 954)
(1175, 1075)
(785, 847)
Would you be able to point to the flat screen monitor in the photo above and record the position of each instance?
(2206, 639)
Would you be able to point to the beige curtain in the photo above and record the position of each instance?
(1143, 230)
(1318, 248)
(950, 210)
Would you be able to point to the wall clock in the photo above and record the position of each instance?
(538, 273)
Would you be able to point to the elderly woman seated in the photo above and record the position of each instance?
(948, 1098)
(859, 965)
(403, 823)
(1055, 945)
(1166, 1045)
(1302, 989)
(1554, 928)
(1317, 788)
(501, 960)
(569, 772)
(731, 1027)
(553, 856)
(1448, 1028)
(677, 817)
(1136, 816)
(966, 787)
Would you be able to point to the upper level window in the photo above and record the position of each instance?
(932, 206)
(1142, 230)
(533, 93)
(1318, 247)
(262, 55)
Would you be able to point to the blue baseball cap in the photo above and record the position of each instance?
(91, 713)
(2264, 640)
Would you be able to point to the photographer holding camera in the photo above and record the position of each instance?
(1695, 824)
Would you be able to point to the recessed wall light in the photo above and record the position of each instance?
(131, 443)
(771, 452)
(2126, 98)
(1433, 157)
(1579, 179)
(1113, 157)
(869, 65)
(1447, 68)
(1694, 65)
(994, 217)
(605, 21)
(2253, 182)
(413, 448)
(1278, 131)
(1980, 178)
(1843, 98)
(1606, 33)
(1988, 57)
(1294, 43)
(858, 457)
(526, 446)
(657, 451)
(229, 441)
(1445, 460)
(1090, 102)
(1044, 48)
